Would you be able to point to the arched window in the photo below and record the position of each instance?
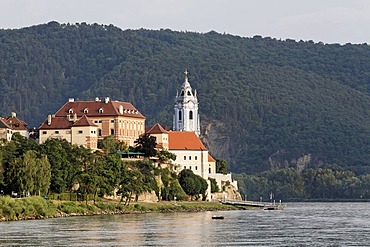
(191, 115)
(180, 115)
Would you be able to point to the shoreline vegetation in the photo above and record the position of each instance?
(36, 207)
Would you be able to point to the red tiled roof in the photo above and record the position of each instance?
(56, 123)
(210, 158)
(156, 129)
(183, 140)
(84, 121)
(15, 123)
(99, 108)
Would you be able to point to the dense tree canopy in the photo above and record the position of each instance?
(265, 103)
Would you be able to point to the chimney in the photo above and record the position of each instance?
(14, 114)
(106, 100)
(121, 109)
(97, 99)
(49, 119)
(71, 100)
(75, 117)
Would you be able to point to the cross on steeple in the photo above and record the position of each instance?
(186, 74)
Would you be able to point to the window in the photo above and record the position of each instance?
(80, 132)
(191, 115)
(99, 132)
(209, 170)
(184, 167)
(190, 167)
(196, 157)
(180, 115)
(56, 132)
(44, 132)
(196, 167)
(112, 121)
(86, 110)
(189, 157)
(184, 157)
(112, 131)
(70, 111)
(189, 93)
(101, 110)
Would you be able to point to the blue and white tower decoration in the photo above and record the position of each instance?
(186, 117)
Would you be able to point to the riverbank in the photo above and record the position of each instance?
(38, 208)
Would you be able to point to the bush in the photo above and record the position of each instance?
(35, 206)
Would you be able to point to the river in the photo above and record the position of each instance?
(300, 224)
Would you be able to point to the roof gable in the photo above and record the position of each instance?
(157, 129)
(84, 121)
(184, 140)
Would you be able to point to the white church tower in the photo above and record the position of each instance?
(186, 117)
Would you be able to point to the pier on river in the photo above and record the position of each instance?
(254, 204)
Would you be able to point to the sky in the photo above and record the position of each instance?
(327, 21)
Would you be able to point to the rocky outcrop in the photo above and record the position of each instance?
(229, 193)
(215, 138)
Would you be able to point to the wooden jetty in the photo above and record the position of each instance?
(253, 204)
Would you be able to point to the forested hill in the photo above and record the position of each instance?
(264, 102)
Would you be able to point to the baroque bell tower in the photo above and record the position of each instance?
(186, 117)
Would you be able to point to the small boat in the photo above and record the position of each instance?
(218, 217)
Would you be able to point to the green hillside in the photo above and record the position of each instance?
(264, 103)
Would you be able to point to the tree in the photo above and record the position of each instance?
(130, 184)
(43, 175)
(165, 156)
(221, 166)
(29, 174)
(146, 144)
(214, 186)
(62, 157)
(286, 183)
(108, 144)
(192, 184)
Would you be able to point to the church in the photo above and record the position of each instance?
(184, 142)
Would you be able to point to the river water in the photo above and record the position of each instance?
(300, 224)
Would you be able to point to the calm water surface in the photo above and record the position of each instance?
(300, 224)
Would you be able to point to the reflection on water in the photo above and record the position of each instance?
(301, 224)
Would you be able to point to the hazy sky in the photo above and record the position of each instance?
(329, 21)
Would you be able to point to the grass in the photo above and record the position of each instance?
(37, 208)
